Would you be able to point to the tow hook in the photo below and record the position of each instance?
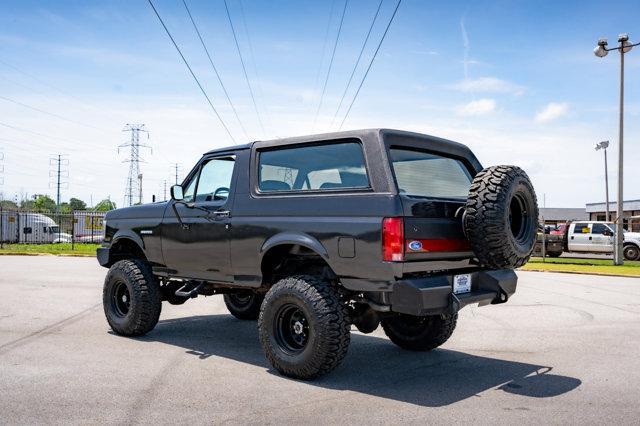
(190, 289)
(502, 297)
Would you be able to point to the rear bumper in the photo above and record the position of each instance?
(434, 295)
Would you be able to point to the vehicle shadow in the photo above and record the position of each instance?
(374, 365)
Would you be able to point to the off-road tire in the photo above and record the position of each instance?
(327, 326)
(133, 280)
(631, 252)
(244, 305)
(501, 217)
(419, 333)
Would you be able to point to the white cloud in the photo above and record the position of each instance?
(488, 84)
(479, 107)
(552, 111)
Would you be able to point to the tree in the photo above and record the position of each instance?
(105, 205)
(65, 208)
(8, 205)
(77, 204)
(44, 202)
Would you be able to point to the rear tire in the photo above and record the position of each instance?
(419, 333)
(631, 252)
(131, 298)
(244, 304)
(303, 326)
(501, 217)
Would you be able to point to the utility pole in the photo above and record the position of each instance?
(601, 51)
(134, 178)
(58, 173)
(165, 191)
(176, 166)
(604, 145)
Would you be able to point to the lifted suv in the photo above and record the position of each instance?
(310, 235)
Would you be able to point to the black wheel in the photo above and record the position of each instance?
(419, 333)
(631, 252)
(554, 253)
(131, 298)
(303, 326)
(501, 217)
(244, 304)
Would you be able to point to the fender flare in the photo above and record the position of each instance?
(127, 234)
(297, 238)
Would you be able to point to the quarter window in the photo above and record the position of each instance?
(421, 174)
(330, 166)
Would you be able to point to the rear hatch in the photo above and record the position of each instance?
(433, 187)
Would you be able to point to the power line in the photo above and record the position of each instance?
(192, 73)
(370, 64)
(215, 70)
(324, 44)
(253, 62)
(333, 54)
(357, 63)
(244, 69)
(20, 129)
(50, 113)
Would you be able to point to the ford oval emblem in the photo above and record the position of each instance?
(415, 245)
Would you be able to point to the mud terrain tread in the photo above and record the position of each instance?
(485, 216)
(146, 302)
(332, 331)
(439, 329)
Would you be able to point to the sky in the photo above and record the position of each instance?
(516, 81)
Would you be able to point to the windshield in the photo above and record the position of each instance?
(421, 174)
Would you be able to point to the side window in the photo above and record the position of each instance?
(600, 228)
(215, 180)
(313, 167)
(27, 230)
(581, 228)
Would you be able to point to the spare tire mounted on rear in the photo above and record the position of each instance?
(500, 220)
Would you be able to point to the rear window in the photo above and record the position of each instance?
(422, 174)
(313, 167)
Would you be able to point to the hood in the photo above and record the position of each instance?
(138, 212)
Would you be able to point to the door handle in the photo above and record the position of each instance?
(222, 214)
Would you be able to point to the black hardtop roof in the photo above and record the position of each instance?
(360, 134)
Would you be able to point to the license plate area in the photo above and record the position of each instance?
(461, 283)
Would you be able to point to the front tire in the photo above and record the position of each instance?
(303, 326)
(631, 252)
(419, 333)
(244, 304)
(131, 298)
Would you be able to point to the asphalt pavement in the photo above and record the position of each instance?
(564, 349)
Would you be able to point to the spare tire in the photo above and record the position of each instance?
(501, 217)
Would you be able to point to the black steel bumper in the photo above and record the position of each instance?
(434, 295)
(102, 253)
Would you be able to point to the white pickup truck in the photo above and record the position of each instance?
(597, 237)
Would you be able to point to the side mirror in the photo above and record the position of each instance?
(177, 193)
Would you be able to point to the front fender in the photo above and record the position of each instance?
(129, 235)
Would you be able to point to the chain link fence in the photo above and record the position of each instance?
(46, 227)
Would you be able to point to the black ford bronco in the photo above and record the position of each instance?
(310, 235)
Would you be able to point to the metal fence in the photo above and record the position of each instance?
(46, 227)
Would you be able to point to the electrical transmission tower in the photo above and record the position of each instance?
(134, 179)
(58, 175)
(1, 168)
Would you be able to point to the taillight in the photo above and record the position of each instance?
(393, 239)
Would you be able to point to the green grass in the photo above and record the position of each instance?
(83, 249)
(585, 266)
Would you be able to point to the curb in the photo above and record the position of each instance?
(603, 274)
(5, 253)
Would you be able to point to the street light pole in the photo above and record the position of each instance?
(601, 51)
(604, 145)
